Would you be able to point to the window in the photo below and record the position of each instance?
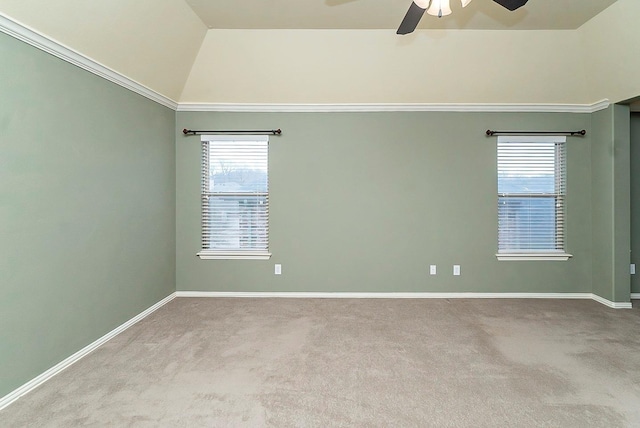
(531, 198)
(235, 197)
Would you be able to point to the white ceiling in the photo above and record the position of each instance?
(387, 14)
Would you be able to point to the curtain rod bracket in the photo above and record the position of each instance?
(580, 133)
(258, 132)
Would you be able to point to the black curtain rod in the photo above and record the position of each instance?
(580, 133)
(258, 132)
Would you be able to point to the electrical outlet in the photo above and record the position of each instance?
(432, 270)
(278, 270)
(632, 270)
(456, 270)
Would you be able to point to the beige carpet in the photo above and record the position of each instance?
(324, 363)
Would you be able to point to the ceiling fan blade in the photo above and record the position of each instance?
(411, 19)
(511, 4)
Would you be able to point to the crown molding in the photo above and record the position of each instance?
(392, 107)
(30, 36)
(600, 105)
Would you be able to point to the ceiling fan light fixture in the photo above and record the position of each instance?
(439, 8)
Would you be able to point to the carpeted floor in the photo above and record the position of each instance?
(324, 363)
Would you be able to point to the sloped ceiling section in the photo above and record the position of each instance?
(153, 42)
(165, 46)
(387, 14)
(611, 46)
(376, 66)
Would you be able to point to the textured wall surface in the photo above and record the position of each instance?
(635, 199)
(367, 201)
(87, 201)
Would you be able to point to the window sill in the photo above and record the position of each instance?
(233, 255)
(555, 257)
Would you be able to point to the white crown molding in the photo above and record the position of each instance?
(32, 37)
(42, 378)
(391, 107)
(600, 105)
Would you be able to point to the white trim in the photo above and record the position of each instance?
(609, 303)
(519, 257)
(368, 295)
(600, 105)
(38, 40)
(208, 255)
(42, 378)
(635, 296)
(392, 107)
(409, 295)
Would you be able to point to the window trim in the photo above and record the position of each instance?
(207, 254)
(233, 255)
(531, 255)
(541, 256)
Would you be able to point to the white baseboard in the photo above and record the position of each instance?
(635, 296)
(366, 295)
(426, 295)
(609, 303)
(42, 378)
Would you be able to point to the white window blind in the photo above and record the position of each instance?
(235, 197)
(531, 194)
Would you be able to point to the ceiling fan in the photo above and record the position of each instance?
(440, 8)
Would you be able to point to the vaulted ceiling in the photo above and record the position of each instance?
(387, 14)
(196, 52)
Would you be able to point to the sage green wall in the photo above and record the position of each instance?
(602, 195)
(621, 203)
(364, 202)
(87, 209)
(635, 199)
(611, 203)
